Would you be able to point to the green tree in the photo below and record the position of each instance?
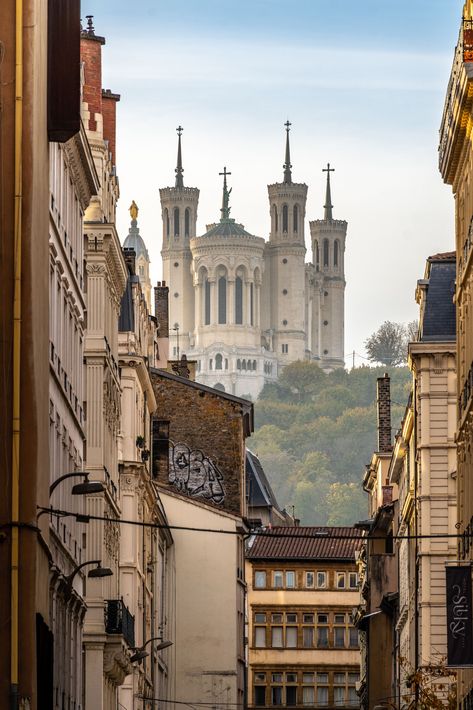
(387, 345)
(347, 503)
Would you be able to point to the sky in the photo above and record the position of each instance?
(363, 85)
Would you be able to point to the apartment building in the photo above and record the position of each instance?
(303, 647)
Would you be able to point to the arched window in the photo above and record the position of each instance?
(238, 300)
(219, 387)
(285, 219)
(218, 361)
(243, 364)
(206, 302)
(238, 364)
(336, 248)
(187, 222)
(176, 221)
(317, 255)
(166, 221)
(254, 364)
(226, 363)
(222, 300)
(295, 218)
(275, 218)
(210, 364)
(248, 365)
(325, 252)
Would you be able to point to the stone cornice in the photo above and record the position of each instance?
(81, 164)
(103, 247)
(239, 242)
(179, 194)
(324, 225)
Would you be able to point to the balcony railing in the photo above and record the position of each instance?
(118, 620)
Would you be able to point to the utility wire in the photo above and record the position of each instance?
(80, 518)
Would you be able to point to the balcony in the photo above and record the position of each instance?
(118, 620)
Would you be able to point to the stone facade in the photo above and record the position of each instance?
(243, 308)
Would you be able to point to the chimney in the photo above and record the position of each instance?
(109, 115)
(91, 56)
(383, 402)
(161, 308)
(129, 256)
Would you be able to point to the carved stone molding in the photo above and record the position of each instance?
(116, 665)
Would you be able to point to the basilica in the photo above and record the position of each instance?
(242, 306)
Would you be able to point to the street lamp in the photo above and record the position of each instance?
(98, 572)
(140, 653)
(79, 488)
(176, 329)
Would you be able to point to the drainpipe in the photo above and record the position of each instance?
(15, 492)
(416, 527)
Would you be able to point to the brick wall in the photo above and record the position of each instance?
(161, 308)
(109, 113)
(384, 414)
(91, 56)
(210, 427)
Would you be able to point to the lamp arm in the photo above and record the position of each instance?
(54, 485)
(79, 567)
(155, 638)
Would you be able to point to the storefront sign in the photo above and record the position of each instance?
(459, 616)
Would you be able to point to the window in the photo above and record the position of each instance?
(206, 302)
(322, 696)
(322, 678)
(260, 677)
(160, 449)
(285, 219)
(291, 618)
(210, 364)
(276, 695)
(260, 618)
(260, 579)
(278, 579)
(238, 300)
(166, 222)
(341, 581)
(317, 255)
(276, 618)
(308, 618)
(291, 636)
(322, 637)
(260, 636)
(187, 222)
(353, 580)
(260, 695)
(354, 642)
(325, 247)
(218, 361)
(176, 221)
(291, 695)
(290, 580)
(339, 637)
(307, 677)
(251, 303)
(321, 580)
(295, 218)
(308, 696)
(338, 695)
(222, 300)
(276, 637)
(353, 699)
(339, 619)
(308, 636)
(276, 677)
(336, 249)
(284, 348)
(309, 580)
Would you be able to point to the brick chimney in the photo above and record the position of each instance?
(109, 113)
(161, 308)
(91, 56)
(130, 256)
(383, 401)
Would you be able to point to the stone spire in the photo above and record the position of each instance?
(226, 197)
(287, 165)
(328, 197)
(179, 169)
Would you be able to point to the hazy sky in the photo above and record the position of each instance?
(363, 85)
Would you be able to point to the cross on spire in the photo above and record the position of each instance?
(287, 165)
(226, 196)
(328, 197)
(179, 170)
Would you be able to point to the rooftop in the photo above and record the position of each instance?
(307, 543)
(438, 321)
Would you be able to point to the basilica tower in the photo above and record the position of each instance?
(285, 253)
(179, 213)
(328, 247)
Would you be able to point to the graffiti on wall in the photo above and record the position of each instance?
(193, 473)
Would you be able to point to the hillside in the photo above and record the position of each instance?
(314, 434)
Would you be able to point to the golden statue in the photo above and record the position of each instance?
(133, 209)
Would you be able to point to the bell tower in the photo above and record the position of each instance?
(285, 253)
(179, 213)
(328, 248)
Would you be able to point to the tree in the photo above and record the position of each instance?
(387, 345)
(347, 503)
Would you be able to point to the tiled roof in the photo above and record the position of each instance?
(306, 543)
(260, 492)
(227, 228)
(444, 256)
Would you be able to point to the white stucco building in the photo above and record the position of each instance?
(244, 307)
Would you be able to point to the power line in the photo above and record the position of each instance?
(270, 533)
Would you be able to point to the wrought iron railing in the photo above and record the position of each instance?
(118, 620)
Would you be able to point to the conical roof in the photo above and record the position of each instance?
(135, 241)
